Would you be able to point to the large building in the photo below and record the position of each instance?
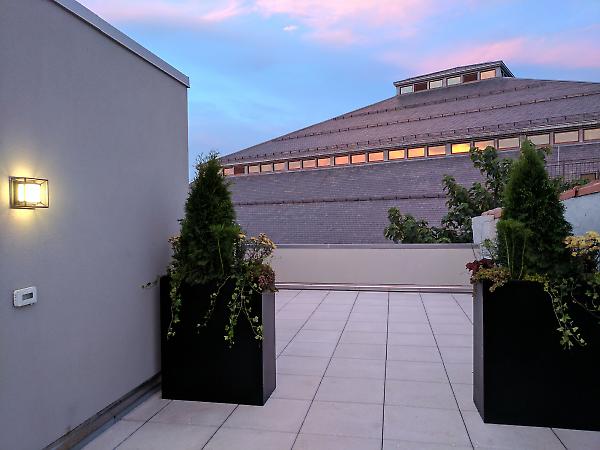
(334, 181)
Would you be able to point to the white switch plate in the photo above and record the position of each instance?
(24, 297)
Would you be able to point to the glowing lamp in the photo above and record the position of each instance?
(28, 193)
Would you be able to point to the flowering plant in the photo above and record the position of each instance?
(586, 248)
(478, 264)
(250, 274)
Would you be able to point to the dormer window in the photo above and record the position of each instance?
(452, 77)
(420, 87)
(487, 74)
(452, 81)
(469, 77)
(436, 84)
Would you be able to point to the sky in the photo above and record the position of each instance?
(262, 68)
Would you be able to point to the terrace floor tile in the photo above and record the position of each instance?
(358, 370)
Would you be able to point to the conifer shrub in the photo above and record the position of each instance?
(204, 250)
(532, 217)
(212, 251)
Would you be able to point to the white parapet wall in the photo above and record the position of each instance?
(402, 267)
(583, 213)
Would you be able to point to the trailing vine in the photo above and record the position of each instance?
(251, 275)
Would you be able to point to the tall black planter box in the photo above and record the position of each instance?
(197, 363)
(521, 373)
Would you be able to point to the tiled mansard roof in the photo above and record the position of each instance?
(475, 110)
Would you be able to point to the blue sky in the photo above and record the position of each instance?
(262, 68)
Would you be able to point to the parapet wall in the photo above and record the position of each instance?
(436, 267)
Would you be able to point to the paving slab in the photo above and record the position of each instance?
(233, 438)
(366, 371)
(344, 419)
(161, 436)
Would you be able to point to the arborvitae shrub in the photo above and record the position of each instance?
(204, 251)
(532, 199)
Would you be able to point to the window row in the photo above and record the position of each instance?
(506, 143)
(449, 81)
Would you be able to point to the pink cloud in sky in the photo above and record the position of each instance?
(180, 13)
(349, 21)
(331, 21)
(558, 50)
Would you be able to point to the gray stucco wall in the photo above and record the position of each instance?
(109, 131)
(583, 213)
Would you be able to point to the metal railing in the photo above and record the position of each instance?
(575, 170)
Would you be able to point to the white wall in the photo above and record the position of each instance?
(583, 213)
(109, 131)
(395, 266)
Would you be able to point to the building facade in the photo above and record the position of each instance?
(104, 121)
(334, 181)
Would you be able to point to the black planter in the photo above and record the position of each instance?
(521, 373)
(197, 363)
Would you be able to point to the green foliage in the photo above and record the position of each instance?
(513, 237)
(499, 276)
(563, 185)
(562, 293)
(405, 228)
(533, 244)
(212, 251)
(463, 204)
(531, 201)
(250, 275)
(204, 252)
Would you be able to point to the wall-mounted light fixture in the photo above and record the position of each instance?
(28, 193)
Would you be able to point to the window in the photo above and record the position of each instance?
(294, 165)
(341, 160)
(592, 134)
(436, 84)
(421, 86)
(416, 152)
(278, 167)
(309, 163)
(238, 170)
(482, 145)
(266, 167)
(452, 81)
(468, 77)
(487, 74)
(463, 147)
(396, 154)
(437, 150)
(512, 142)
(254, 169)
(375, 156)
(358, 159)
(540, 139)
(567, 136)
(406, 89)
(228, 171)
(324, 162)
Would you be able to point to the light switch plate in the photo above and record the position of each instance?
(24, 297)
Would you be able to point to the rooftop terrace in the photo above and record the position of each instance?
(355, 370)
